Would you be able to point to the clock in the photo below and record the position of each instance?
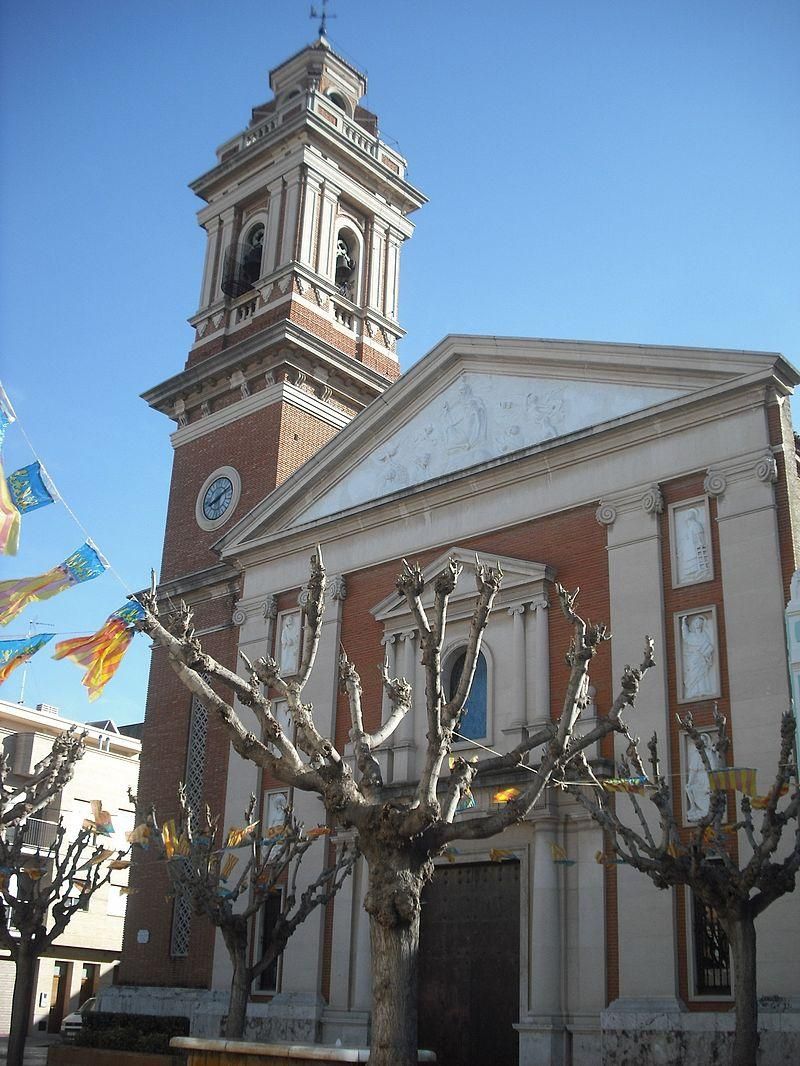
(217, 498)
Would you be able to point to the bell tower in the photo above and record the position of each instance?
(305, 211)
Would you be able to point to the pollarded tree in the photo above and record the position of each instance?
(42, 888)
(203, 872)
(398, 837)
(705, 857)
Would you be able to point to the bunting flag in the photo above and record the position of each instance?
(28, 489)
(119, 864)
(760, 803)
(740, 778)
(97, 858)
(560, 856)
(100, 822)
(500, 855)
(624, 784)
(318, 831)
(450, 853)
(15, 652)
(505, 795)
(228, 866)
(10, 519)
(607, 858)
(466, 802)
(101, 652)
(84, 564)
(173, 843)
(240, 835)
(274, 831)
(126, 890)
(7, 415)
(140, 835)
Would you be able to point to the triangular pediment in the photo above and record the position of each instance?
(522, 579)
(478, 401)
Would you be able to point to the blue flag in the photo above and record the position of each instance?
(27, 488)
(15, 652)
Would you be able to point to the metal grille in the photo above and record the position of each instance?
(196, 758)
(712, 957)
(195, 770)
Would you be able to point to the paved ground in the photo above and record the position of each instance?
(35, 1048)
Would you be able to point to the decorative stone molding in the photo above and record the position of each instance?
(270, 608)
(518, 608)
(766, 468)
(303, 597)
(299, 378)
(324, 392)
(540, 604)
(338, 587)
(269, 377)
(239, 616)
(715, 482)
(218, 319)
(606, 514)
(653, 501)
(205, 409)
(180, 413)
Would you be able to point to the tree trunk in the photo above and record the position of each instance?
(394, 993)
(24, 985)
(396, 879)
(741, 932)
(236, 942)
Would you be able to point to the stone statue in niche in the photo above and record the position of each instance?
(277, 802)
(547, 408)
(290, 645)
(464, 420)
(697, 657)
(698, 790)
(692, 550)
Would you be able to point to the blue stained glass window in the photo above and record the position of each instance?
(473, 724)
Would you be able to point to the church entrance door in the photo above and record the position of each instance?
(469, 964)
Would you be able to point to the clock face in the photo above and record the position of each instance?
(218, 498)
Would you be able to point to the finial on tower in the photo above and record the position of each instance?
(323, 17)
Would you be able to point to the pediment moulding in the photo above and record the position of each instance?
(263, 607)
(524, 585)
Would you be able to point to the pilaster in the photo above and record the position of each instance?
(647, 949)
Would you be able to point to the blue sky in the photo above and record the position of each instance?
(599, 170)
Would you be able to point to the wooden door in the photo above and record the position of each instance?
(62, 972)
(469, 965)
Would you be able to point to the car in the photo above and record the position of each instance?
(73, 1023)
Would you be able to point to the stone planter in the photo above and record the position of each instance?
(69, 1055)
(243, 1053)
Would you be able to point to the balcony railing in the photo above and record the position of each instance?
(38, 833)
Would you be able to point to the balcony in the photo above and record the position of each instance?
(39, 833)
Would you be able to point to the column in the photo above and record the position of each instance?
(404, 747)
(389, 642)
(275, 190)
(377, 239)
(291, 201)
(515, 730)
(326, 238)
(307, 242)
(646, 926)
(537, 646)
(541, 1025)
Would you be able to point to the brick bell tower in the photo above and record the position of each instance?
(305, 213)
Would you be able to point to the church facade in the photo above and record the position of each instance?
(661, 481)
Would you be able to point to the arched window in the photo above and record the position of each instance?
(474, 722)
(339, 100)
(243, 263)
(252, 254)
(346, 263)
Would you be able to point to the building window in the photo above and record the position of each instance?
(243, 263)
(339, 100)
(474, 723)
(712, 957)
(270, 912)
(346, 263)
(88, 982)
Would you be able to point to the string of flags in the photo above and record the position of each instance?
(100, 653)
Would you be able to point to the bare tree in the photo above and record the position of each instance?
(41, 888)
(399, 837)
(704, 858)
(202, 872)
